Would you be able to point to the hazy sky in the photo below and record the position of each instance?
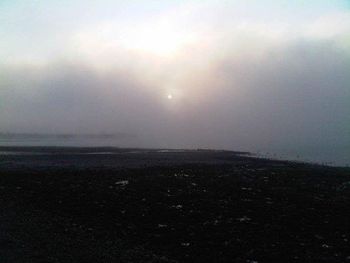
(247, 74)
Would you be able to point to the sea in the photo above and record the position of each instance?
(336, 156)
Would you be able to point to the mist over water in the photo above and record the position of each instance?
(181, 74)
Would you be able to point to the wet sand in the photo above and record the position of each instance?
(131, 205)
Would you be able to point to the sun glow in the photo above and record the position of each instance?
(161, 40)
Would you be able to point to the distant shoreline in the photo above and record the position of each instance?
(112, 150)
(82, 149)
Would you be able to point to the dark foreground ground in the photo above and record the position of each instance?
(64, 205)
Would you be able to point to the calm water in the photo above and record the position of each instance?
(336, 156)
(333, 157)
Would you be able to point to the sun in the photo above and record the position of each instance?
(170, 96)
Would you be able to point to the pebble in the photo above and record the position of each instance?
(244, 219)
(122, 183)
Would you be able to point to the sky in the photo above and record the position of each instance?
(247, 75)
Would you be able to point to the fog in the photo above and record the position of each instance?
(244, 89)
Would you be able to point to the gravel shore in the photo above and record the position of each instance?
(131, 205)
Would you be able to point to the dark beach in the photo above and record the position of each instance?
(131, 205)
